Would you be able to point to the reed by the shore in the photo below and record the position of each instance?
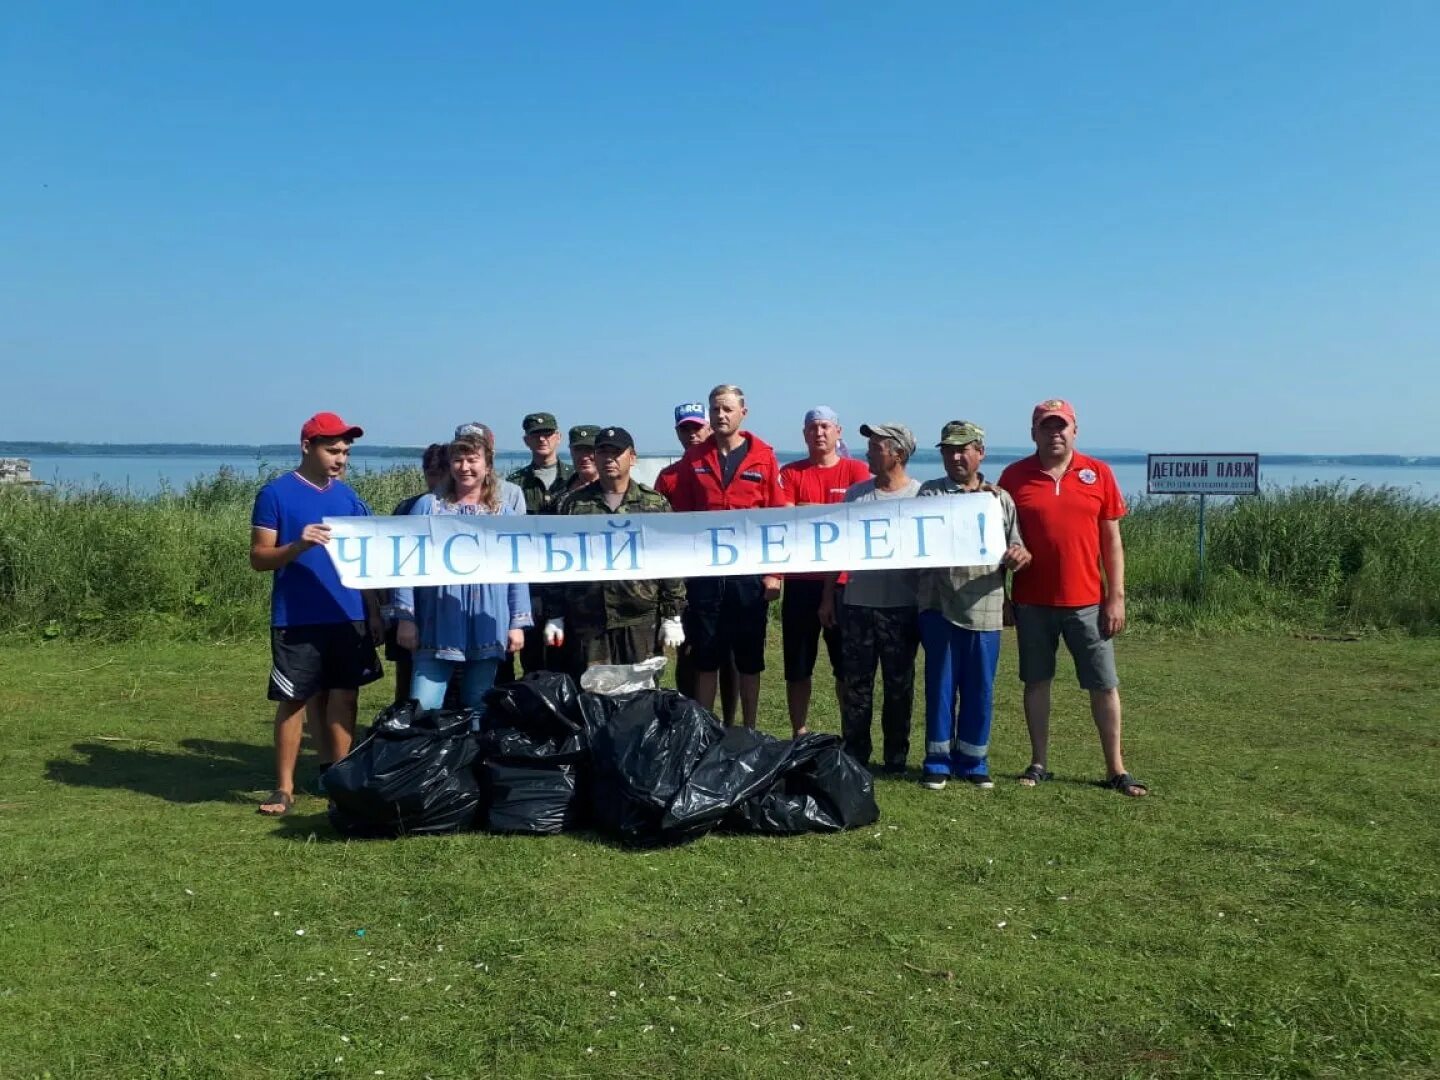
(115, 565)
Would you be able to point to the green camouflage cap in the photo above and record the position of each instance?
(961, 433)
(539, 421)
(584, 434)
(894, 431)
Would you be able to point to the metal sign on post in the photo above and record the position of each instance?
(1202, 474)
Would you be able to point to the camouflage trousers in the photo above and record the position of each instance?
(887, 638)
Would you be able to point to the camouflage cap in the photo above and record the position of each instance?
(584, 434)
(961, 433)
(539, 421)
(899, 433)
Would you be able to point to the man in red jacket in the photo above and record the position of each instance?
(1069, 509)
(692, 427)
(727, 616)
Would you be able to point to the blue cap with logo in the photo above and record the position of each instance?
(691, 412)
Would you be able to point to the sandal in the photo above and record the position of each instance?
(282, 799)
(1035, 774)
(1128, 785)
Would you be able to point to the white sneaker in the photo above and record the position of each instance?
(933, 781)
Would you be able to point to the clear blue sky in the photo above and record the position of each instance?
(1212, 226)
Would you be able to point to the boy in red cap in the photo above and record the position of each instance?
(1069, 509)
(322, 634)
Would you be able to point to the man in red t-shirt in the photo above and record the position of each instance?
(726, 616)
(822, 477)
(1069, 509)
(692, 427)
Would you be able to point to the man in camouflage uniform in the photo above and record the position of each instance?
(615, 622)
(542, 482)
(582, 457)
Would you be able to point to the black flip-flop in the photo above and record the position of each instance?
(284, 798)
(1128, 785)
(1034, 775)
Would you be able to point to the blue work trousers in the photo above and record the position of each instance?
(959, 694)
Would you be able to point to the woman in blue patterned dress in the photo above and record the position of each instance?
(469, 626)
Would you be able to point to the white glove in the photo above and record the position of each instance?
(555, 632)
(672, 634)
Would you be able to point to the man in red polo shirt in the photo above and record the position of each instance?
(822, 477)
(727, 616)
(1069, 509)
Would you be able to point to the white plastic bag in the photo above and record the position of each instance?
(623, 678)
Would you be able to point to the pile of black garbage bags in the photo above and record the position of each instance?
(647, 767)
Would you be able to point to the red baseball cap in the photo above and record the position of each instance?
(1052, 407)
(326, 425)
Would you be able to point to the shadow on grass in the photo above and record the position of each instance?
(202, 770)
(316, 829)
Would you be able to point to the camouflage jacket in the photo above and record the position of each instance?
(609, 605)
(540, 499)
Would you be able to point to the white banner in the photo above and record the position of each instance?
(892, 534)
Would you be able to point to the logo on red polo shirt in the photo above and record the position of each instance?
(1087, 476)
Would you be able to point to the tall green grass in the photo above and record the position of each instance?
(117, 565)
(112, 564)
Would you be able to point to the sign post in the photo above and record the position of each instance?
(1202, 475)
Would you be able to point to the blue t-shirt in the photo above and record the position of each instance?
(308, 590)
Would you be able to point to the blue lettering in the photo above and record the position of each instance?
(417, 553)
(766, 542)
(363, 558)
(448, 556)
(515, 538)
(920, 521)
(716, 544)
(630, 544)
(872, 537)
(551, 552)
(821, 540)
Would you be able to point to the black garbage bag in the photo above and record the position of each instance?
(644, 746)
(535, 752)
(534, 799)
(538, 718)
(820, 789)
(743, 764)
(412, 773)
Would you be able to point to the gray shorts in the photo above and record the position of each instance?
(1038, 630)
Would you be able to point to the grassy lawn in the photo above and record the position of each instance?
(1272, 910)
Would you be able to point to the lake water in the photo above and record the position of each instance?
(149, 473)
